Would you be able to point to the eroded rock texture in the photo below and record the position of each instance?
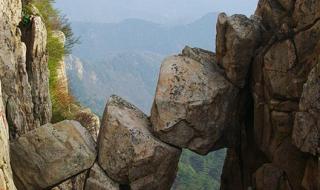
(6, 181)
(282, 141)
(237, 39)
(194, 103)
(130, 154)
(35, 38)
(23, 70)
(98, 180)
(51, 154)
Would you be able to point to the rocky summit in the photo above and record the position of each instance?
(258, 96)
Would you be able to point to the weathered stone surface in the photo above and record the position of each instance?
(75, 183)
(130, 154)
(15, 86)
(35, 38)
(306, 132)
(306, 13)
(6, 180)
(285, 94)
(98, 180)
(194, 103)
(270, 177)
(237, 39)
(51, 154)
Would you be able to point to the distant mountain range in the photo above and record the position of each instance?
(124, 59)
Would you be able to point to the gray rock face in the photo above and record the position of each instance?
(6, 180)
(130, 154)
(194, 102)
(306, 130)
(51, 154)
(35, 38)
(98, 180)
(237, 39)
(13, 74)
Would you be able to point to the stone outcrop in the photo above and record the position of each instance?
(281, 138)
(194, 102)
(6, 182)
(61, 68)
(35, 38)
(98, 180)
(259, 96)
(129, 153)
(51, 154)
(237, 39)
(16, 89)
(306, 131)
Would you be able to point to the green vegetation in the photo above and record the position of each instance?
(62, 102)
(199, 172)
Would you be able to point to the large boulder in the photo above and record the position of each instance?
(98, 180)
(130, 154)
(237, 39)
(51, 154)
(194, 103)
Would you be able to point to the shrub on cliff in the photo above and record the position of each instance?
(54, 21)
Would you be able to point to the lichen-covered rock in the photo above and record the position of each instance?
(194, 103)
(51, 154)
(6, 180)
(237, 39)
(130, 154)
(306, 131)
(98, 180)
(35, 38)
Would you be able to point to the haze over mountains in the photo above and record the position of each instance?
(162, 11)
(124, 58)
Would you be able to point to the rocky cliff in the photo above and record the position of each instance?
(258, 96)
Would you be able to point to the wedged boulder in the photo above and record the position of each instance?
(51, 154)
(194, 103)
(130, 154)
(269, 177)
(306, 130)
(237, 39)
(98, 180)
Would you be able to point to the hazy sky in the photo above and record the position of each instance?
(161, 11)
